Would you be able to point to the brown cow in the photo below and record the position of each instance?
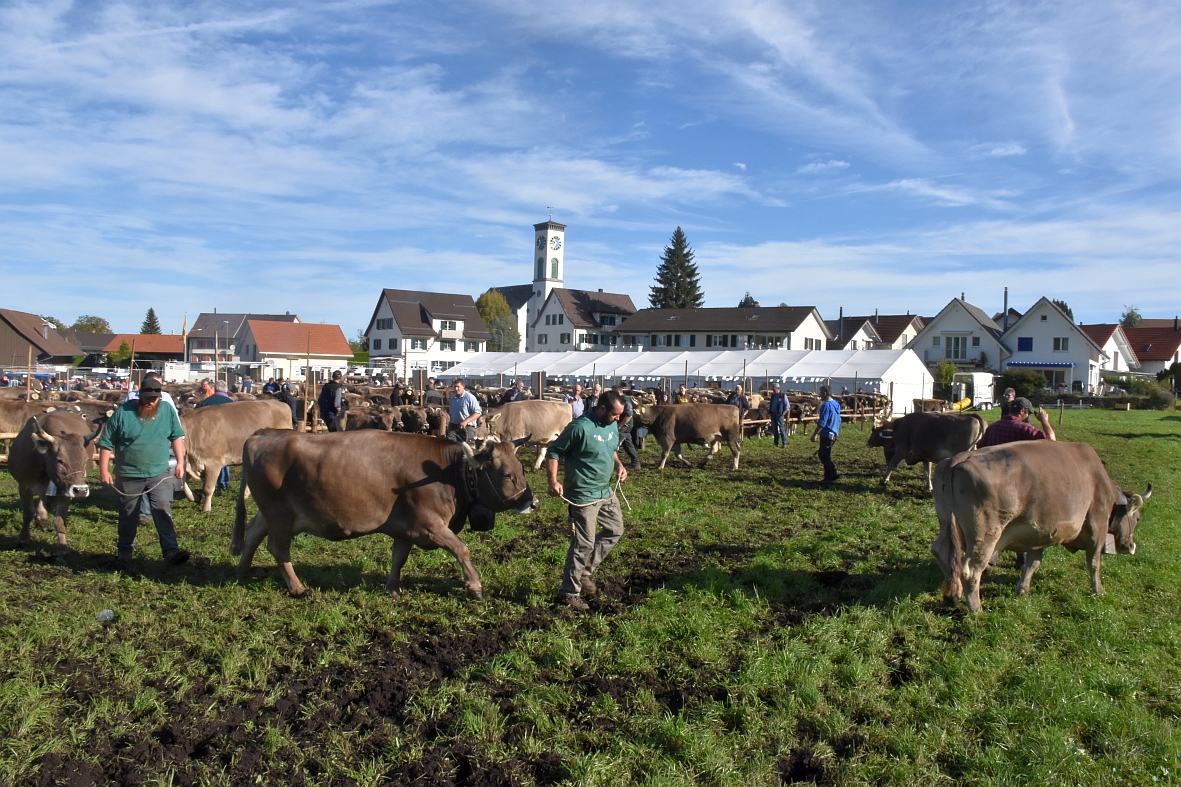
(1025, 497)
(368, 418)
(696, 422)
(414, 488)
(49, 461)
(214, 437)
(926, 438)
(544, 420)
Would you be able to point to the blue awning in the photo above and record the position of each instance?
(1036, 365)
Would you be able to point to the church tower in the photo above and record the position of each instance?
(549, 253)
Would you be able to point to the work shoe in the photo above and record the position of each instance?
(123, 556)
(589, 588)
(174, 557)
(574, 602)
(634, 466)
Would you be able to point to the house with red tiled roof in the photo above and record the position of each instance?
(1121, 358)
(150, 346)
(283, 350)
(1157, 348)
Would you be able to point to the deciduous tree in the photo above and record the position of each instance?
(501, 323)
(88, 323)
(1131, 317)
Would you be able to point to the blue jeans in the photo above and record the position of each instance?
(777, 430)
(158, 492)
(223, 478)
(830, 470)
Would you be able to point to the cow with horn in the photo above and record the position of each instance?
(49, 461)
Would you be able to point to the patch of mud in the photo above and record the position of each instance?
(365, 698)
(801, 765)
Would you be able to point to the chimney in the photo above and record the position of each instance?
(875, 316)
(962, 298)
(600, 289)
(841, 328)
(1006, 319)
(1176, 323)
(44, 330)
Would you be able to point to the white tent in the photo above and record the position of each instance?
(899, 372)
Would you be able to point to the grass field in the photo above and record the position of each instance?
(753, 629)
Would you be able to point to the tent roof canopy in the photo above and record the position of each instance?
(785, 365)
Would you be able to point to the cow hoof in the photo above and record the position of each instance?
(477, 594)
(302, 593)
(394, 593)
(63, 551)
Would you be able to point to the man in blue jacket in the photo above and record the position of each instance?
(778, 407)
(827, 430)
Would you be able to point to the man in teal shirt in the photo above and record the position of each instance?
(138, 435)
(588, 446)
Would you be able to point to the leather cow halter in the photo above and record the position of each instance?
(472, 478)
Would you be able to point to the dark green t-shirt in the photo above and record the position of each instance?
(589, 452)
(141, 449)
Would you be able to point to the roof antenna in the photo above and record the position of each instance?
(1006, 319)
(550, 208)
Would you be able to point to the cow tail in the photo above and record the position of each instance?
(239, 540)
(954, 545)
(981, 425)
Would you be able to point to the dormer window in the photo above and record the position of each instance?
(446, 325)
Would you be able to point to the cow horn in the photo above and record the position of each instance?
(520, 441)
(468, 451)
(1147, 493)
(41, 434)
(1123, 499)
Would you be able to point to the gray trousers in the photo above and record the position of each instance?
(595, 530)
(158, 491)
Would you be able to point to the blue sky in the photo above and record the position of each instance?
(253, 156)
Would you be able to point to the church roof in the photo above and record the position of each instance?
(517, 295)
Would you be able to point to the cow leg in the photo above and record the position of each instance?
(895, 460)
(1033, 561)
(927, 474)
(256, 531)
(61, 510)
(28, 514)
(441, 536)
(280, 548)
(736, 450)
(714, 447)
(666, 451)
(399, 553)
(976, 563)
(209, 479)
(1095, 558)
(540, 457)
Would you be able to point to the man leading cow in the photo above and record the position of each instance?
(588, 446)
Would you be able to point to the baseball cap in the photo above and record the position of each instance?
(150, 389)
(1021, 403)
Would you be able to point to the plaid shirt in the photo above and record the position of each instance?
(1010, 429)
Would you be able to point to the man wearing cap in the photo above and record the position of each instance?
(286, 395)
(138, 435)
(778, 407)
(588, 447)
(1014, 425)
(330, 402)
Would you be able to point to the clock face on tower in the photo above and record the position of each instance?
(540, 242)
(555, 243)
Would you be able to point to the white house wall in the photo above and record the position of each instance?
(1079, 350)
(956, 321)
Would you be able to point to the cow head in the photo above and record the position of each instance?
(1124, 518)
(499, 477)
(66, 457)
(882, 436)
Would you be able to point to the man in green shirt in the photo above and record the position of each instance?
(588, 445)
(138, 435)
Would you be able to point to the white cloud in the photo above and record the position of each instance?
(740, 165)
(822, 167)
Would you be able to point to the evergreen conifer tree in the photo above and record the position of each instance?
(151, 324)
(678, 285)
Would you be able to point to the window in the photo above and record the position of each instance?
(1024, 344)
(692, 340)
(442, 366)
(1043, 318)
(418, 344)
(975, 341)
(446, 325)
(812, 344)
(606, 319)
(471, 347)
(934, 341)
(956, 348)
(629, 341)
(716, 341)
(540, 268)
(392, 344)
(564, 338)
(610, 339)
(561, 319)
(553, 268)
(549, 319)
(377, 344)
(1061, 344)
(661, 340)
(385, 324)
(447, 345)
(543, 338)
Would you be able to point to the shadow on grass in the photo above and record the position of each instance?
(1136, 435)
